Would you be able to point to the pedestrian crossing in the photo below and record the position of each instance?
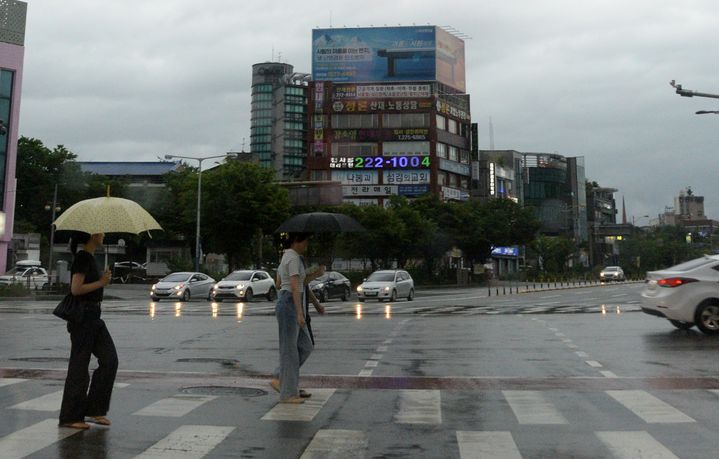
(243, 310)
(482, 424)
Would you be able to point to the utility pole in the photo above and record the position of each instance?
(52, 235)
(689, 93)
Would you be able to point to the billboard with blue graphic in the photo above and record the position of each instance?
(385, 54)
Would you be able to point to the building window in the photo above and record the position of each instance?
(453, 153)
(262, 114)
(405, 148)
(363, 121)
(405, 120)
(256, 105)
(294, 91)
(290, 108)
(441, 178)
(452, 126)
(290, 143)
(441, 122)
(261, 96)
(354, 149)
(464, 156)
(441, 150)
(6, 82)
(293, 125)
(319, 175)
(262, 88)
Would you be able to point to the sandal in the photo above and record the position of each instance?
(101, 420)
(293, 400)
(305, 394)
(275, 383)
(76, 425)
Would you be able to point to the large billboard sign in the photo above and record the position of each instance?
(386, 54)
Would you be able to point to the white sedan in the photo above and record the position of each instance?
(182, 286)
(687, 294)
(245, 285)
(387, 285)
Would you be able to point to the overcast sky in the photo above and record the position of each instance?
(131, 80)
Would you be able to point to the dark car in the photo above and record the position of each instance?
(331, 285)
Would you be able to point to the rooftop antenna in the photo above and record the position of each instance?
(243, 145)
(273, 53)
(279, 56)
(491, 134)
(330, 19)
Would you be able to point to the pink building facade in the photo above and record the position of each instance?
(12, 52)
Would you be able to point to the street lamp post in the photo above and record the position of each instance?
(199, 198)
(55, 208)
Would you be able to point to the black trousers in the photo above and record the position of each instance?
(88, 338)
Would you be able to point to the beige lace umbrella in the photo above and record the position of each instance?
(106, 215)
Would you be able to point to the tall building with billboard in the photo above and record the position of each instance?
(389, 114)
(12, 52)
(278, 121)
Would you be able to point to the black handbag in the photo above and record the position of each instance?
(70, 308)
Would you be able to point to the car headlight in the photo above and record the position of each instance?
(179, 286)
(386, 289)
(240, 286)
(153, 287)
(320, 285)
(359, 288)
(214, 287)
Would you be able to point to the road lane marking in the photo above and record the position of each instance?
(572, 346)
(187, 442)
(49, 402)
(419, 407)
(530, 407)
(382, 349)
(648, 407)
(8, 381)
(387, 341)
(366, 372)
(26, 441)
(593, 363)
(608, 374)
(631, 445)
(376, 357)
(487, 445)
(714, 391)
(301, 412)
(549, 296)
(371, 364)
(175, 406)
(337, 443)
(582, 354)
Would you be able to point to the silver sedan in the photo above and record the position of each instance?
(182, 286)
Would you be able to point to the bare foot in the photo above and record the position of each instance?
(102, 420)
(76, 425)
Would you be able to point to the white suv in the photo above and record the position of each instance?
(388, 285)
(245, 285)
(687, 294)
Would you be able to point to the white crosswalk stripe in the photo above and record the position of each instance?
(648, 407)
(175, 406)
(531, 407)
(300, 412)
(419, 407)
(634, 445)
(48, 402)
(33, 438)
(487, 445)
(187, 442)
(337, 443)
(9, 381)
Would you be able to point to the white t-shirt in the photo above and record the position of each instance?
(291, 265)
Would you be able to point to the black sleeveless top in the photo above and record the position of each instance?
(84, 263)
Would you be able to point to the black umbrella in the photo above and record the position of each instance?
(319, 222)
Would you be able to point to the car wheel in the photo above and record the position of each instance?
(393, 296)
(345, 294)
(186, 296)
(209, 295)
(272, 294)
(155, 299)
(248, 295)
(360, 299)
(707, 318)
(681, 325)
(324, 295)
(410, 297)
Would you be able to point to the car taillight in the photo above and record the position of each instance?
(671, 282)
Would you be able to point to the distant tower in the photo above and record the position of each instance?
(624, 212)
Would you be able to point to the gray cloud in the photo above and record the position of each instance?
(132, 79)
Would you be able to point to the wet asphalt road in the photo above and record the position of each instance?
(465, 376)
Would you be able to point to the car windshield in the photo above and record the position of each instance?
(17, 271)
(611, 268)
(175, 278)
(239, 276)
(381, 277)
(323, 278)
(693, 264)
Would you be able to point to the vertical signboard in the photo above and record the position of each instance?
(450, 60)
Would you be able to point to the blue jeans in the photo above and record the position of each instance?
(295, 346)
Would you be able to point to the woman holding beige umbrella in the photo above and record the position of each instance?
(84, 397)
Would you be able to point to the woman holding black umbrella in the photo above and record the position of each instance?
(294, 337)
(89, 337)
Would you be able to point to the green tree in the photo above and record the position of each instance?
(241, 204)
